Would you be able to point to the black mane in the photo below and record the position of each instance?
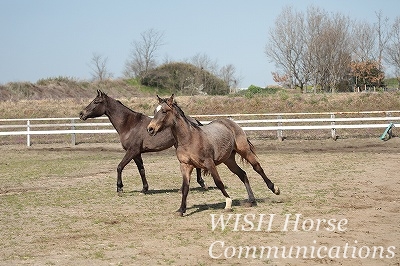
(118, 101)
(181, 113)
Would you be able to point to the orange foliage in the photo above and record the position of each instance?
(367, 73)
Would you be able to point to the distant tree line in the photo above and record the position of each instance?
(331, 52)
(197, 75)
(312, 50)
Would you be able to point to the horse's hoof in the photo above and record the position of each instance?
(120, 193)
(204, 186)
(277, 191)
(144, 191)
(179, 214)
(228, 210)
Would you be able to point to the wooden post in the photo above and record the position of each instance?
(73, 135)
(280, 131)
(28, 136)
(390, 133)
(333, 130)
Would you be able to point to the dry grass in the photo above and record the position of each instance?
(281, 102)
(277, 103)
(59, 205)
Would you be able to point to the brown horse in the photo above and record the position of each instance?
(131, 127)
(205, 147)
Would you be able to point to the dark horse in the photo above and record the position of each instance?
(132, 129)
(205, 147)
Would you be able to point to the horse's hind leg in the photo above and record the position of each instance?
(139, 163)
(252, 159)
(200, 180)
(232, 165)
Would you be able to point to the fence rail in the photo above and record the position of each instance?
(278, 122)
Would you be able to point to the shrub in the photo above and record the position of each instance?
(186, 79)
(253, 90)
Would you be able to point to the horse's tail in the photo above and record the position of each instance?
(252, 148)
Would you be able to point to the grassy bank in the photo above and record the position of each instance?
(65, 97)
(280, 102)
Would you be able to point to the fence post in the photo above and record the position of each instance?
(28, 136)
(73, 135)
(389, 114)
(280, 131)
(333, 130)
(390, 133)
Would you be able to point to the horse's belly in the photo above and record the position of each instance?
(163, 140)
(222, 142)
(223, 153)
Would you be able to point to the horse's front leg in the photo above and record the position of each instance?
(212, 169)
(129, 155)
(139, 163)
(186, 171)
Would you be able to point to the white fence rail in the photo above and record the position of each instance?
(269, 122)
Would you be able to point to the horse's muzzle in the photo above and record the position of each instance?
(82, 116)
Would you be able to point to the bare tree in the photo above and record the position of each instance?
(312, 48)
(335, 52)
(144, 53)
(204, 62)
(392, 52)
(228, 75)
(287, 47)
(382, 30)
(98, 64)
(364, 42)
(317, 51)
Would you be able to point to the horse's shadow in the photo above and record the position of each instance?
(173, 190)
(198, 208)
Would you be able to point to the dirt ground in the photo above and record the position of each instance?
(339, 205)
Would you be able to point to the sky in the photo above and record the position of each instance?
(42, 39)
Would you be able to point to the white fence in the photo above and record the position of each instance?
(278, 122)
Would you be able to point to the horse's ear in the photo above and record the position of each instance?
(159, 99)
(170, 101)
(101, 93)
(98, 92)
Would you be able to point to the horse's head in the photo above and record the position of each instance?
(163, 115)
(96, 108)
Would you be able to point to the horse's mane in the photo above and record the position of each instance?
(103, 94)
(182, 114)
(118, 101)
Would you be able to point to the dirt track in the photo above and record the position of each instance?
(59, 207)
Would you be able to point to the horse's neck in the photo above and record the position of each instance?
(182, 131)
(118, 114)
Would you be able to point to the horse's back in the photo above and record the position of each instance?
(234, 127)
(240, 140)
